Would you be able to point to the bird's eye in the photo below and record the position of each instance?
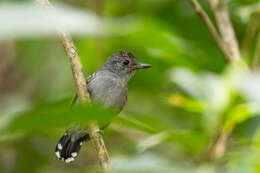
(126, 62)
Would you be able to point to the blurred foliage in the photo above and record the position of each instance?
(176, 110)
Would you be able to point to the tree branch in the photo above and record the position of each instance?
(205, 18)
(225, 27)
(220, 10)
(82, 91)
(219, 147)
(228, 44)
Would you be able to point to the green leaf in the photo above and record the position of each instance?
(45, 117)
(135, 124)
(191, 141)
(239, 114)
(186, 103)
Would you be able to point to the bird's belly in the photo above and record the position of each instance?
(113, 97)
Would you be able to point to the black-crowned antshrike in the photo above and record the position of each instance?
(107, 87)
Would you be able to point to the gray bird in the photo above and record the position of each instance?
(107, 87)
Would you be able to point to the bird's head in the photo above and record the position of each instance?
(124, 64)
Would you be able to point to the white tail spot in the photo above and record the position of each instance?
(59, 146)
(58, 154)
(69, 159)
(74, 154)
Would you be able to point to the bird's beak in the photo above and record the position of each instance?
(142, 66)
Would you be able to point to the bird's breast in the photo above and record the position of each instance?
(109, 91)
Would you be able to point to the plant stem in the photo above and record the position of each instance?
(225, 27)
(205, 18)
(228, 44)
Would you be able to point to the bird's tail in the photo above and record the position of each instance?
(70, 143)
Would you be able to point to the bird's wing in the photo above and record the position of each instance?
(91, 77)
(88, 80)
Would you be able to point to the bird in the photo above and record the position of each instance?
(107, 87)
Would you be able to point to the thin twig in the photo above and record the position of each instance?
(220, 10)
(224, 24)
(205, 18)
(76, 66)
(250, 35)
(256, 58)
(218, 148)
(7, 54)
(82, 91)
(228, 44)
(100, 147)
